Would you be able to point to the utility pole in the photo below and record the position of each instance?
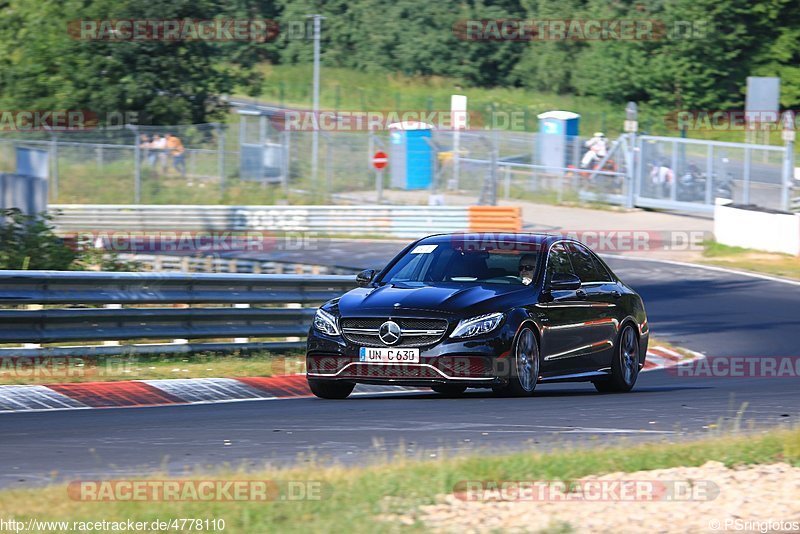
(317, 20)
(787, 175)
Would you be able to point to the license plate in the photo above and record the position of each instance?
(382, 355)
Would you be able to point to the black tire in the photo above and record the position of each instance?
(524, 372)
(330, 389)
(625, 365)
(449, 390)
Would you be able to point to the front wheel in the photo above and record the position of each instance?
(525, 367)
(330, 389)
(625, 367)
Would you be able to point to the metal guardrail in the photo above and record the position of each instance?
(64, 307)
(214, 264)
(395, 221)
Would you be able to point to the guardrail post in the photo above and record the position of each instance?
(241, 339)
(112, 343)
(294, 306)
(33, 307)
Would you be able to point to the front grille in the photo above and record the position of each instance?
(452, 366)
(364, 331)
(390, 371)
(403, 322)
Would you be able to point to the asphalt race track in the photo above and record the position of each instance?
(715, 312)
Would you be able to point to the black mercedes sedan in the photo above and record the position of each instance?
(475, 310)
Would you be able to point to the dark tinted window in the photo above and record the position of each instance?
(558, 261)
(464, 261)
(586, 265)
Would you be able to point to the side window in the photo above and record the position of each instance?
(586, 266)
(604, 272)
(558, 261)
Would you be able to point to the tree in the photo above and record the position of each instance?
(44, 67)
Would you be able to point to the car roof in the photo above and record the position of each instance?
(500, 237)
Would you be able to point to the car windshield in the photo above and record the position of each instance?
(454, 261)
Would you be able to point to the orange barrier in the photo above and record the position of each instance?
(495, 218)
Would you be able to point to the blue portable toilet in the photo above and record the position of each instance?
(558, 134)
(410, 155)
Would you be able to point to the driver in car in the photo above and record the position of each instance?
(527, 268)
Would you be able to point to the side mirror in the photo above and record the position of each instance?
(564, 282)
(364, 278)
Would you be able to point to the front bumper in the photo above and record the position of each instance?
(479, 362)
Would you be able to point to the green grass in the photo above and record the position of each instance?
(351, 90)
(353, 498)
(745, 259)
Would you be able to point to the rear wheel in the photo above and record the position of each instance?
(449, 390)
(525, 367)
(330, 389)
(625, 366)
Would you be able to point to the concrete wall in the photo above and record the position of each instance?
(771, 232)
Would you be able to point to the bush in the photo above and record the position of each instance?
(28, 242)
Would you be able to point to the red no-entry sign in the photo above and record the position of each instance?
(380, 160)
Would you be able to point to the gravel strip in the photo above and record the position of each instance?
(712, 498)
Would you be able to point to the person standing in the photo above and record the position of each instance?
(144, 145)
(176, 151)
(159, 152)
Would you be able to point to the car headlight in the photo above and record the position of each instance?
(326, 323)
(476, 326)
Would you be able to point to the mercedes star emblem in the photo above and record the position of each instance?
(389, 332)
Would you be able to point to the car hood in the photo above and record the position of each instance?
(449, 298)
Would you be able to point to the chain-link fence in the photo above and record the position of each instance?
(675, 172)
(253, 162)
(135, 164)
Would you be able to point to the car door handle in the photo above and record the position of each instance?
(616, 294)
(580, 293)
